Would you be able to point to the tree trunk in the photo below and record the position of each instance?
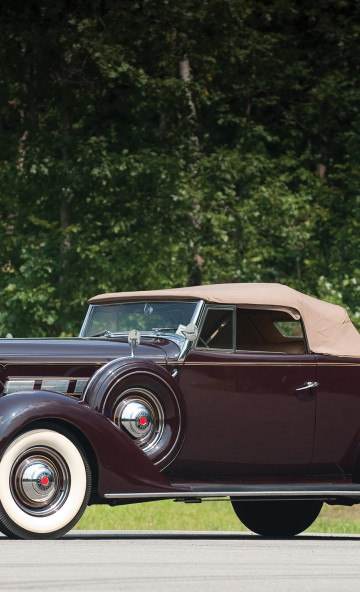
(184, 72)
(66, 115)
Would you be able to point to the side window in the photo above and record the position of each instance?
(217, 330)
(269, 331)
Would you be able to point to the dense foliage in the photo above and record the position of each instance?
(158, 143)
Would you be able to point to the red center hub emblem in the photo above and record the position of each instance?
(143, 420)
(44, 481)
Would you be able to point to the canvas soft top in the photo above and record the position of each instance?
(328, 326)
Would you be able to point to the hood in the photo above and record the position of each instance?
(83, 350)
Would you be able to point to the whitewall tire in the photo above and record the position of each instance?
(45, 483)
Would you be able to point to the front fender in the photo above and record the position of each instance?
(122, 467)
(108, 376)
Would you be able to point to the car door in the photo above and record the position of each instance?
(245, 414)
(336, 446)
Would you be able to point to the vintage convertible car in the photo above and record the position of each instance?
(242, 392)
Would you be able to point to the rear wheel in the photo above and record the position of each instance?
(277, 518)
(45, 484)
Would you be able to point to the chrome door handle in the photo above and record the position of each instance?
(307, 385)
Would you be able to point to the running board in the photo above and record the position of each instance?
(321, 491)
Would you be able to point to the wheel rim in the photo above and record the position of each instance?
(39, 481)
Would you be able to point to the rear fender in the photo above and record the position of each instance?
(122, 466)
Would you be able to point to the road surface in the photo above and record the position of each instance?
(172, 561)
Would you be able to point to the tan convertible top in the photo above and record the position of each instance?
(328, 327)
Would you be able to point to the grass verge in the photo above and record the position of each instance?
(215, 516)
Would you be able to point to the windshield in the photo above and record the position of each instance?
(156, 317)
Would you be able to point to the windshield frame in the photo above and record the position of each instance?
(194, 319)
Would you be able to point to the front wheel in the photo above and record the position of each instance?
(277, 518)
(45, 484)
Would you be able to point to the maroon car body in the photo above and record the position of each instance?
(251, 396)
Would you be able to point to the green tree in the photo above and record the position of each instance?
(151, 144)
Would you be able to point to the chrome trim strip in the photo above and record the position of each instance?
(80, 386)
(326, 493)
(47, 383)
(337, 364)
(71, 362)
(307, 386)
(88, 312)
(55, 384)
(194, 319)
(5, 363)
(283, 364)
(21, 384)
(98, 364)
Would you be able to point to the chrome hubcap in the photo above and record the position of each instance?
(137, 418)
(140, 414)
(40, 481)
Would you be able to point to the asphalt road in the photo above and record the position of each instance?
(168, 561)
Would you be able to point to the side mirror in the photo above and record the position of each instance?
(190, 332)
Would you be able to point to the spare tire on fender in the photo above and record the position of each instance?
(144, 401)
